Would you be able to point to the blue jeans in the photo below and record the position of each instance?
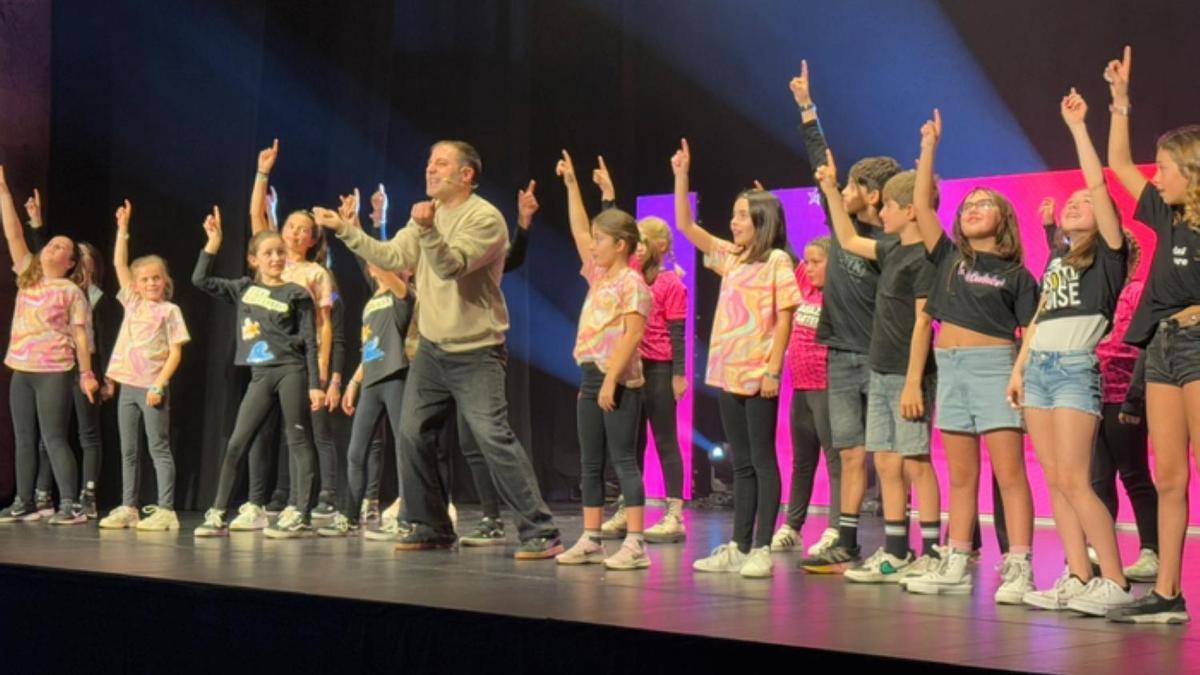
(474, 381)
(1068, 379)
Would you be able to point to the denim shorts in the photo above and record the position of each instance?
(887, 430)
(849, 380)
(1069, 379)
(971, 389)
(1173, 356)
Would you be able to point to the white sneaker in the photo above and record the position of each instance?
(158, 520)
(1016, 580)
(670, 529)
(881, 567)
(1057, 596)
(214, 524)
(827, 541)
(1099, 597)
(584, 552)
(617, 526)
(392, 530)
(724, 558)
(631, 556)
(785, 539)
(922, 565)
(391, 514)
(120, 518)
(1145, 568)
(950, 577)
(758, 564)
(251, 517)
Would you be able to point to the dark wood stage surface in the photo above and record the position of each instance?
(816, 614)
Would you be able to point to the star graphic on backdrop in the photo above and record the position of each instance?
(814, 198)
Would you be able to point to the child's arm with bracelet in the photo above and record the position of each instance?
(1120, 156)
(350, 398)
(1074, 111)
(258, 195)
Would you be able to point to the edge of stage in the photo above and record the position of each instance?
(88, 600)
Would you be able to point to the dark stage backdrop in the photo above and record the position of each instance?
(167, 103)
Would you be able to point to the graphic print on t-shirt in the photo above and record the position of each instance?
(370, 346)
(1060, 286)
(250, 329)
(855, 266)
(260, 352)
(808, 315)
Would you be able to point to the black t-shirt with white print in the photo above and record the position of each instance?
(1067, 292)
(905, 275)
(1174, 281)
(276, 325)
(993, 296)
(385, 320)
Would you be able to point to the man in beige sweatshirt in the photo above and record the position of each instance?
(456, 241)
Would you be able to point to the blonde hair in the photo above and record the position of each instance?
(900, 189)
(654, 230)
(169, 291)
(821, 243)
(1183, 145)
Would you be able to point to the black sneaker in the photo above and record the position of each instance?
(69, 514)
(1152, 608)
(489, 532)
(338, 526)
(539, 548)
(836, 560)
(17, 511)
(423, 537)
(289, 525)
(325, 508)
(86, 506)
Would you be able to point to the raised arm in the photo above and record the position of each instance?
(391, 281)
(13, 233)
(581, 230)
(37, 229)
(681, 163)
(202, 278)
(843, 228)
(1120, 156)
(1074, 112)
(927, 218)
(527, 205)
(400, 252)
(603, 180)
(258, 196)
(121, 247)
(379, 205)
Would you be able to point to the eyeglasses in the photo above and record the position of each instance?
(981, 204)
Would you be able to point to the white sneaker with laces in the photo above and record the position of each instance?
(724, 558)
(391, 514)
(950, 577)
(250, 517)
(1099, 597)
(1145, 568)
(158, 520)
(584, 552)
(120, 518)
(829, 538)
(881, 567)
(758, 564)
(785, 539)
(1016, 580)
(922, 565)
(1056, 597)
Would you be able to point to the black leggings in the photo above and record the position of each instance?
(611, 435)
(809, 418)
(87, 419)
(750, 423)
(286, 384)
(272, 438)
(1121, 448)
(383, 397)
(658, 408)
(42, 401)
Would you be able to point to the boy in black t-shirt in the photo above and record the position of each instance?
(845, 327)
(900, 404)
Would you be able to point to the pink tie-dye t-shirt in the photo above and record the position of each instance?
(743, 329)
(670, 304)
(42, 338)
(144, 343)
(602, 320)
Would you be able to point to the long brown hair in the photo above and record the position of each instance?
(319, 251)
(770, 225)
(1183, 145)
(620, 226)
(1008, 233)
(34, 274)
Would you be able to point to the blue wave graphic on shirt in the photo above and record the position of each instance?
(371, 351)
(260, 353)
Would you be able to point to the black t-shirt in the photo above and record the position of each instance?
(850, 281)
(994, 296)
(906, 274)
(385, 325)
(1067, 292)
(276, 324)
(1174, 282)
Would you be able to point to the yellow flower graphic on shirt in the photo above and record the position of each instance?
(250, 329)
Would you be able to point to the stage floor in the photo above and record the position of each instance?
(790, 610)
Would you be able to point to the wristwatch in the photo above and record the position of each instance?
(156, 390)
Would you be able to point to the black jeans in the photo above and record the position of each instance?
(383, 397)
(42, 402)
(87, 420)
(1121, 448)
(287, 384)
(809, 417)
(474, 381)
(750, 423)
(608, 435)
(658, 408)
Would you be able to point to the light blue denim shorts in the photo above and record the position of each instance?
(1069, 379)
(971, 389)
